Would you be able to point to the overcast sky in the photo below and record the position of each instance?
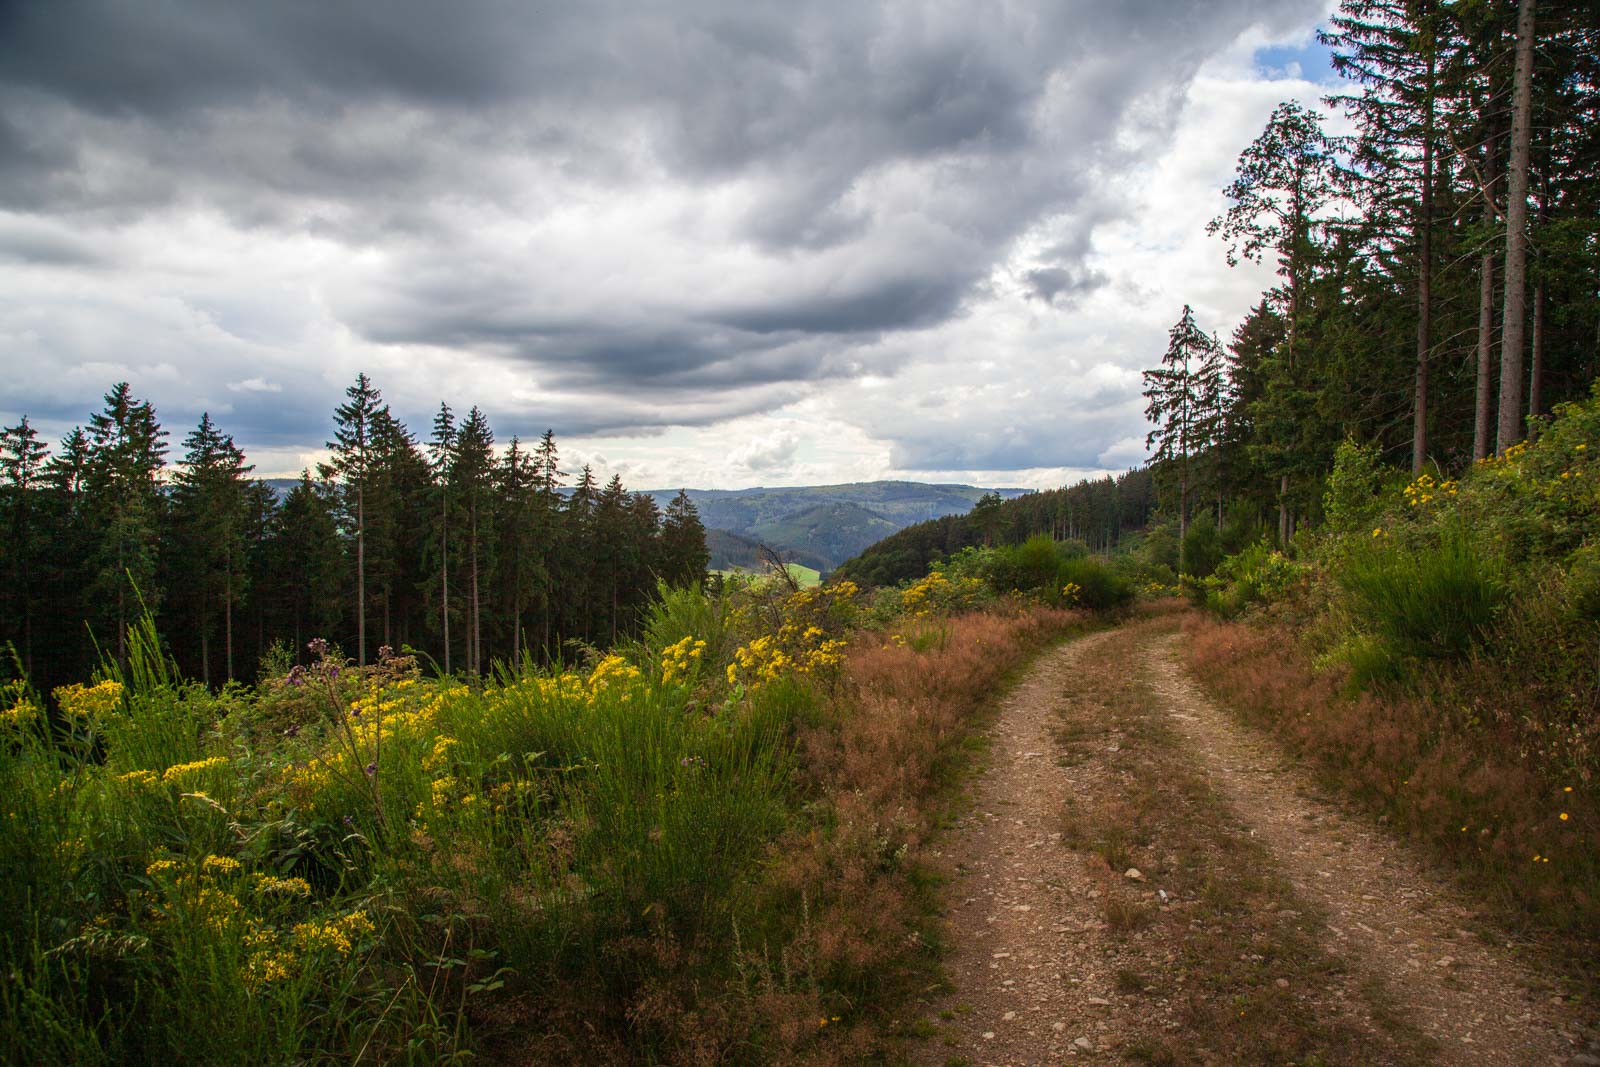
(709, 244)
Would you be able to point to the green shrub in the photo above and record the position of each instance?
(1255, 575)
(1099, 586)
(1427, 602)
(1202, 548)
(1352, 500)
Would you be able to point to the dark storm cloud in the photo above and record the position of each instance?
(1067, 283)
(882, 159)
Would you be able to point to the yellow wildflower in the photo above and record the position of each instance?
(338, 935)
(140, 779)
(161, 867)
(184, 772)
(271, 884)
(264, 968)
(89, 703)
(219, 865)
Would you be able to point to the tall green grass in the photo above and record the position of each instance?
(1437, 599)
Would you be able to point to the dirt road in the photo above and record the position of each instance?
(1139, 878)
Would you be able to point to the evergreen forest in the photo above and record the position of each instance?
(460, 550)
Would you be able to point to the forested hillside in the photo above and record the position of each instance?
(1099, 513)
(451, 546)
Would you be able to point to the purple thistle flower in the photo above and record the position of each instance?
(372, 769)
(349, 820)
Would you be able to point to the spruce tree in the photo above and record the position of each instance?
(209, 520)
(305, 562)
(1286, 177)
(126, 451)
(441, 446)
(22, 468)
(472, 476)
(518, 566)
(352, 467)
(683, 543)
(1176, 408)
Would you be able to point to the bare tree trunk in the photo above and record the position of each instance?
(1513, 327)
(1283, 511)
(361, 577)
(1536, 371)
(1485, 394)
(227, 621)
(444, 557)
(1419, 418)
(1183, 520)
(477, 631)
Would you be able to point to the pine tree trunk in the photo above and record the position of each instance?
(1283, 511)
(205, 652)
(1536, 371)
(1513, 325)
(1183, 522)
(1484, 404)
(122, 610)
(444, 604)
(227, 623)
(477, 632)
(1419, 419)
(361, 579)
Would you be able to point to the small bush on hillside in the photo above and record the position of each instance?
(1030, 565)
(1426, 603)
(1098, 586)
(1202, 548)
(1241, 527)
(1258, 574)
(1352, 500)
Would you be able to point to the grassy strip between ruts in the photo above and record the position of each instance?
(1230, 968)
(1518, 838)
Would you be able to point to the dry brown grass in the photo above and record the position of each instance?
(1467, 785)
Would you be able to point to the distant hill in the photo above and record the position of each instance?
(821, 526)
(835, 531)
(281, 486)
(730, 551)
(818, 526)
